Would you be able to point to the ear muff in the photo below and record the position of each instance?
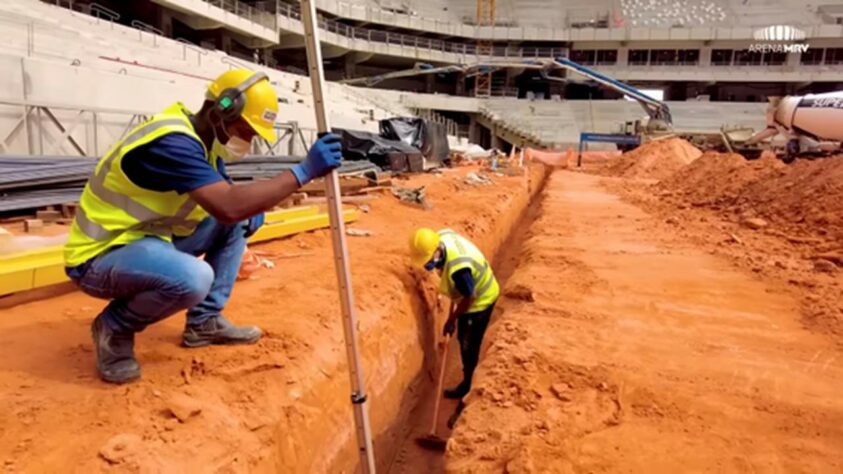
(230, 103)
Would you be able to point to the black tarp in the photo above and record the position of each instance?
(389, 154)
(409, 130)
(429, 137)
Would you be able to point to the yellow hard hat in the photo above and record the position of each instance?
(423, 245)
(247, 94)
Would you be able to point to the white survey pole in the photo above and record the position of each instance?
(332, 191)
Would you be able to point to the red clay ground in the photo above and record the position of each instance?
(279, 406)
(627, 344)
(784, 222)
(658, 333)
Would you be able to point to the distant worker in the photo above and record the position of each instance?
(159, 198)
(467, 279)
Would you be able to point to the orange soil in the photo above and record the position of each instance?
(280, 406)
(710, 201)
(655, 160)
(624, 345)
(803, 197)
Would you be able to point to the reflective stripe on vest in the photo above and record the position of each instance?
(115, 211)
(126, 203)
(463, 254)
(483, 289)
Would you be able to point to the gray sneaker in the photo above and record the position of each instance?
(115, 351)
(219, 330)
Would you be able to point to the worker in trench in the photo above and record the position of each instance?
(466, 278)
(160, 198)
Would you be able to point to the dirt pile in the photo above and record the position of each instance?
(779, 221)
(655, 160)
(802, 198)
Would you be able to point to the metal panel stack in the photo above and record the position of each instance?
(28, 183)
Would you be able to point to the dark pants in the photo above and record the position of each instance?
(470, 330)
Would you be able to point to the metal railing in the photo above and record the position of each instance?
(93, 9)
(236, 64)
(200, 51)
(467, 48)
(101, 12)
(48, 129)
(146, 28)
(255, 15)
(575, 18)
(30, 29)
(44, 133)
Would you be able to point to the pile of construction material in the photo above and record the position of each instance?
(28, 183)
(404, 144)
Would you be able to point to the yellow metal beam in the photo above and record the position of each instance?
(22, 271)
(41, 267)
(298, 224)
(291, 213)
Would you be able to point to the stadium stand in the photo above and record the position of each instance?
(101, 62)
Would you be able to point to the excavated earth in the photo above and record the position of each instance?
(650, 328)
(691, 324)
(279, 406)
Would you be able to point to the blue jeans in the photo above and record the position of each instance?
(150, 279)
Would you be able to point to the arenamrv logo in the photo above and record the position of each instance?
(779, 39)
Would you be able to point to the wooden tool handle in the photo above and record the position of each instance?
(439, 383)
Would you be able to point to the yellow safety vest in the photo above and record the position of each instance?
(114, 211)
(461, 253)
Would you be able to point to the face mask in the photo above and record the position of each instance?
(236, 148)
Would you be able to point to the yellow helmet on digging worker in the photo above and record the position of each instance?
(247, 94)
(423, 244)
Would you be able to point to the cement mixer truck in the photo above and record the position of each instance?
(810, 125)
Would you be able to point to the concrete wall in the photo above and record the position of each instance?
(80, 87)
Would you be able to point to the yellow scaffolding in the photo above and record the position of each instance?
(42, 267)
(486, 12)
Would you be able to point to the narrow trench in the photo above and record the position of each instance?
(409, 458)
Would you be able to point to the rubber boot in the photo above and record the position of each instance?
(218, 330)
(115, 351)
(459, 391)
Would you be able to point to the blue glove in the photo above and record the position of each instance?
(324, 156)
(253, 224)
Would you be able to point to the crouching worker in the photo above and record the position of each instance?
(467, 279)
(158, 199)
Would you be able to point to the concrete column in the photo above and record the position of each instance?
(474, 130)
(705, 56)
(429, 83)
(225, 44)
(165, 22)
(460, 90)
(497, 142)
(350, 66)
(793, 60)
(623, 56)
